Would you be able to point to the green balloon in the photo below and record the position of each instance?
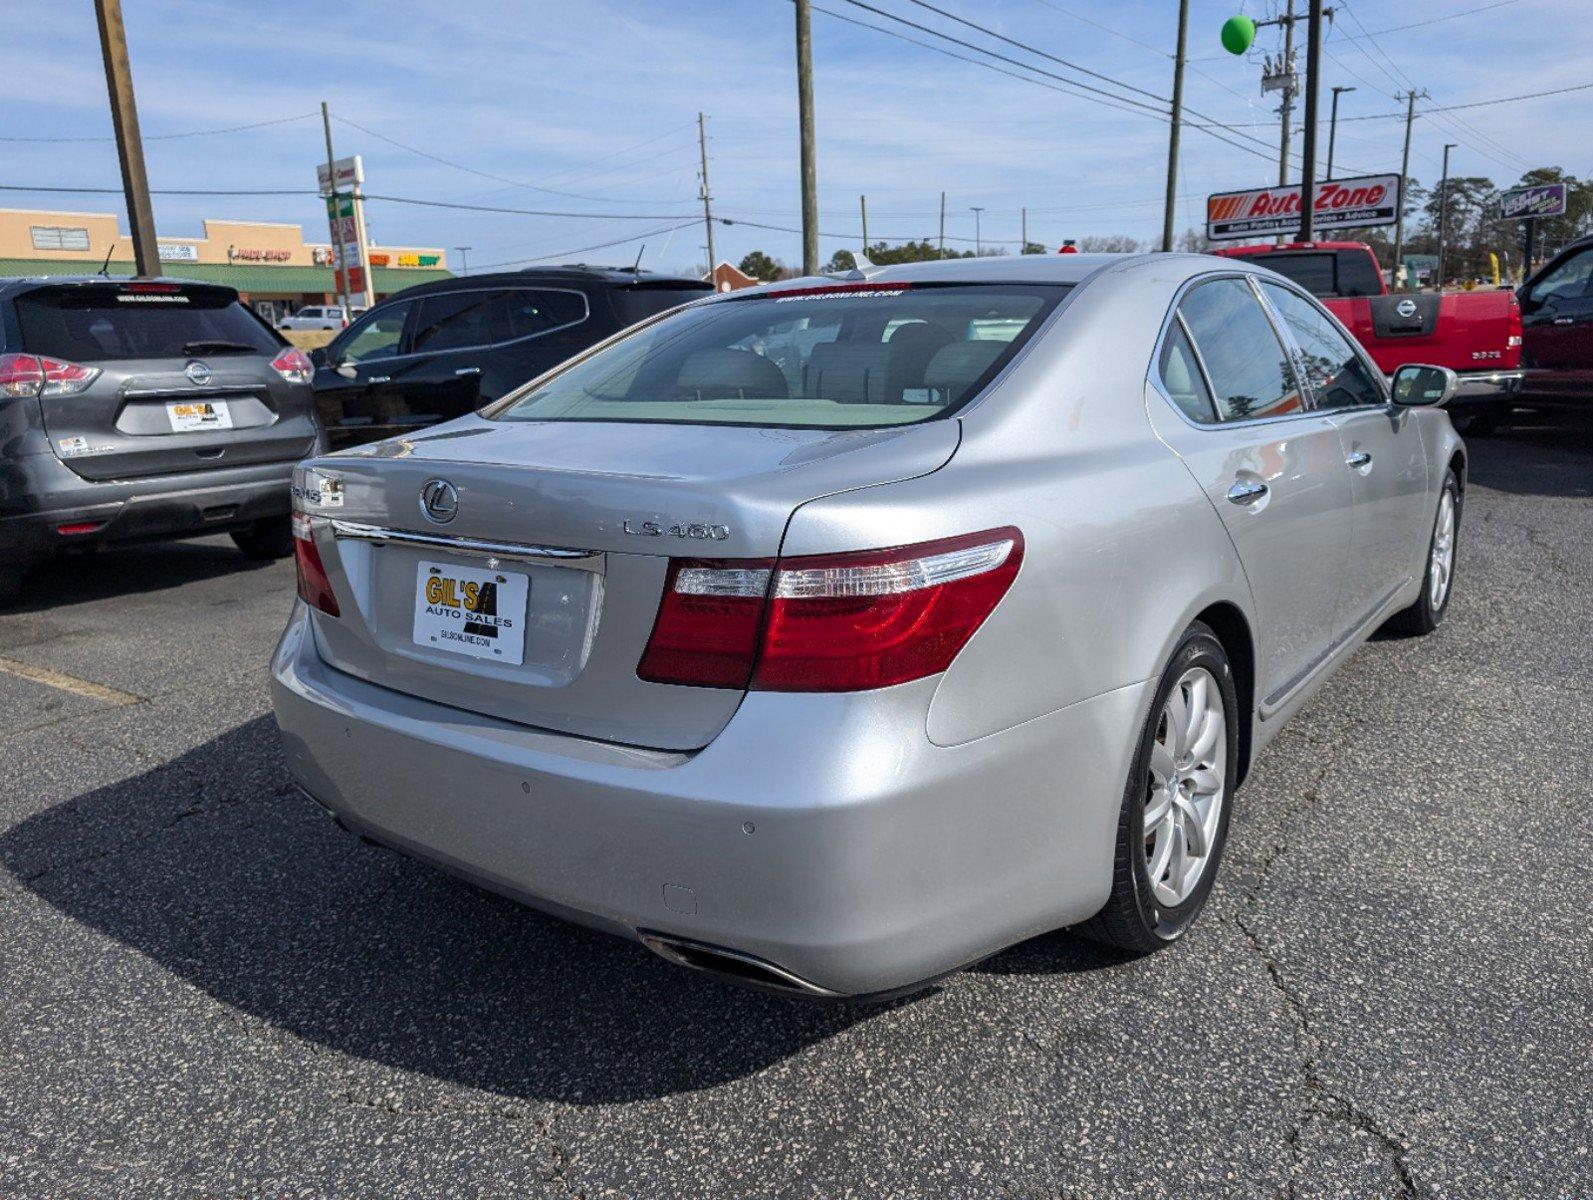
(1238, 33)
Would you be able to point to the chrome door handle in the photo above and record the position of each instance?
(1564, 320)
(1247, 492)
(1358, 459)
(468, 371)
(379, 379)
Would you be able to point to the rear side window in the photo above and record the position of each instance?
(97, 323)
(1248, 368)
(1181, 377)
(828, 357)
(633, 304)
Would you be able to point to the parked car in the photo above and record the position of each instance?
(1557, 321)
(145, 408)
(830, 636)
(439, 350)
(1475, 334)
(320, 316)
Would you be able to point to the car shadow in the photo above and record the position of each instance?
(82, 576)
(213, 866)
(1543, 454)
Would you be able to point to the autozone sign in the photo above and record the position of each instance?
(1338, 204)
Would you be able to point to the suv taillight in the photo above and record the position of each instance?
(828, 623)
(315, 589)
(293, 365)
(36, 375)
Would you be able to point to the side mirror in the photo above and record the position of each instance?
(1417, 385)
(350, 371)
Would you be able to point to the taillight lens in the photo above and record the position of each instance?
(37, 375)
(315, 589)
(293, 365)
(829, 623)
(1513, 334)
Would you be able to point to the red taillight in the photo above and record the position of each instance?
(829, 623)
(293, 365)
(1512, 356)
(78, 528)
(36, 375)
(315, 589)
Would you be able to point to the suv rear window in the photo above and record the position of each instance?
(96, 323)
(637, 303)
(849, 355)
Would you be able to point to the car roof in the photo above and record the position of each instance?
(568, 274)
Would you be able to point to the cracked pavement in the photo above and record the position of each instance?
(207, 990)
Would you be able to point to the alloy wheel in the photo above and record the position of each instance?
(1185, 790)
(1441, 567)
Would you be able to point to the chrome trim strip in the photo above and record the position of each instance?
(663, 945)
(579, 560)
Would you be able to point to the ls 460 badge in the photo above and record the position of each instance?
(706, 533)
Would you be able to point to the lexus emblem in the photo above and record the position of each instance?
(439, 501)
(198, 374)
(1406, 308)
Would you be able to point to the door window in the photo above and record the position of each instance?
(1338, 376)
(1181, 377)
(1568, 281)
(454, 321)
(378, 335)
(1246, 363)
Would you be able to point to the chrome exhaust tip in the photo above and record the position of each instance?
(730, 965)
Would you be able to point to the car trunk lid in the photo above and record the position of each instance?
(570, 526)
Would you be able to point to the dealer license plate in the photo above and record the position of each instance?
(480, 614)
(186, 416)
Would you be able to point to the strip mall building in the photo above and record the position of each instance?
(271, 265)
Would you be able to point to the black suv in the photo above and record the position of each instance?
(143, 408)
(441, 350)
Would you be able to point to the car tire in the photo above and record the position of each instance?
(1479, 420)
(1427, 613)
(267, 539)
(1179, 791)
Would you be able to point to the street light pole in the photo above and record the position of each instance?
(463, 250)
(1333, 126)
(129, 144)
(1177, 125)
(1443, 213)
(1404, 180)
(978, 244)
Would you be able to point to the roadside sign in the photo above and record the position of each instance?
(1338, 204)
(1540, 200)
(350, 174)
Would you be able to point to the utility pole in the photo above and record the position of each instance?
(463, 250)
(707, 200)
(862, 205)
(978, 244)
(1333, 126)
(340, 279)
(129, 144)
(1404, 180)
(942, 224)
(1023, 246)
(1177, 125)
(1313, 69)
(1287, 108)
(810, 185)
(1443, 213)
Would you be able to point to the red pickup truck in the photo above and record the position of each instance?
(1475, 334)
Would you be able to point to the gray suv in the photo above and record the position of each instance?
(146, 408)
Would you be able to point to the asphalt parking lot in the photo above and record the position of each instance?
(208, 990)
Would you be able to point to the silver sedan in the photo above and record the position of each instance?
(832, 635)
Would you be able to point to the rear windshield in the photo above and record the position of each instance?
(1327, 273)
(633, 304)
(841, 357)
(95, 324)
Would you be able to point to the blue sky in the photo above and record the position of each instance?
(597, 100)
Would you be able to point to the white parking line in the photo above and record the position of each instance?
(68, 683)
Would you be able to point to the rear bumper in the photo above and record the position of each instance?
(1482, 387)
(39, 494)
(823, 834)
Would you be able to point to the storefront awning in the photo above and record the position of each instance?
(256, 280)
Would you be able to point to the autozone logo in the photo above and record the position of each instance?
(1369, 200)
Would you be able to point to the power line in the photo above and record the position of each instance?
(165, 137)
(1431, 20)
(636, 237)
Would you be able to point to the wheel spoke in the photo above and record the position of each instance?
(1161, 764)
(1199, 706)
(1157, 809)
(1177, 711)
(1207, 781)
(1189, 823)
(1205, 741)
(1156, 865)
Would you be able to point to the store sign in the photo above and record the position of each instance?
(321, 256)
(179, 252)
(350, 174)
(1540, 200)
(1338, 204)
(60, 237)
(383, 258)
(251, 254)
